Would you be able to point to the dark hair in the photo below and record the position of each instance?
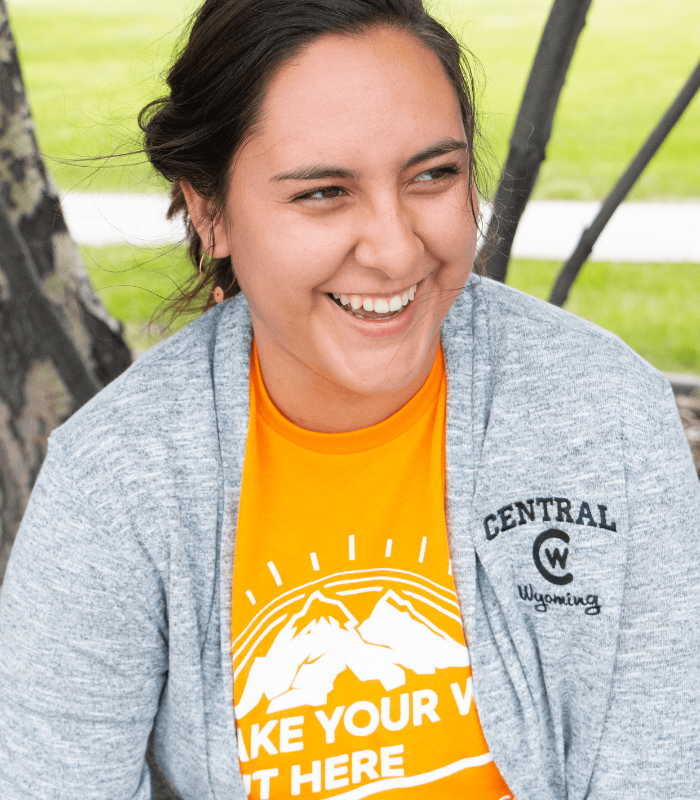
(217, 88)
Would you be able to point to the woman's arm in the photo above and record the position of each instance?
(650, 747)
(83, 648)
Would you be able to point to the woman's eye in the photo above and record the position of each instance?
(435, 174)
(326, 193)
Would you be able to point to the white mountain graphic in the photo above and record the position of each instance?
(324, 639)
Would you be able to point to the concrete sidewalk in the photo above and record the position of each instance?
(549, 229)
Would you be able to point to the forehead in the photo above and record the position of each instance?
(363, 101)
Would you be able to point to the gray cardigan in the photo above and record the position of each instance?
(574, 522)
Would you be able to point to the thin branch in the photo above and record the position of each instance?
(570, 270)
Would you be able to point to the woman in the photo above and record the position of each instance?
(405, 460)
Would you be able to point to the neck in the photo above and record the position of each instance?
(317, 403)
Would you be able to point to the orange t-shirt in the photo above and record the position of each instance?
(351, 674)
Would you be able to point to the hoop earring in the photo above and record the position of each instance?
(218, 293)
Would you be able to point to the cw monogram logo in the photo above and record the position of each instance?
(556, 558)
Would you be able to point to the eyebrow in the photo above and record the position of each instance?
(440, 148)
(317, 172)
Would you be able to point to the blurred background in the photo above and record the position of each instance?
(89, 67)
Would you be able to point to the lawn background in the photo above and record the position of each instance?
(89, 67)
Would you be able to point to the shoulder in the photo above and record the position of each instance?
(547, 331)
(158, 414)
(541, 350)
(146, 394)
(131, 485)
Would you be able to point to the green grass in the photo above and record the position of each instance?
(90, 66)
(632, 59)
(649, 306)
(134, 282)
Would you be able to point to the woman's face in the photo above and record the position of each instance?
(348, 216)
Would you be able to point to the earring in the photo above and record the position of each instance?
(218, 293)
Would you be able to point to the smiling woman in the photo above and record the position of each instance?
(456, 512)
(273, 184)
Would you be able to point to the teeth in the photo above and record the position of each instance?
(378, 306)
(381, 306)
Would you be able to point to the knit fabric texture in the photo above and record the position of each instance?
(573, 513)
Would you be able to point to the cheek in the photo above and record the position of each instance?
(285, 260)
(450, 234)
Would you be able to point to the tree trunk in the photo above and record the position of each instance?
(58, 345)
(689, 409)
(532, 130)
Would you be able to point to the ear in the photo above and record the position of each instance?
(200, 210)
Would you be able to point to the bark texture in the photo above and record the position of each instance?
(58, 345)
(689, 409)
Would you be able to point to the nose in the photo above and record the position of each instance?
(388, 239)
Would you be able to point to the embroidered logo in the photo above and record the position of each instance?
(590, 604)
(546, 509)
(556, 558)
(551, 549)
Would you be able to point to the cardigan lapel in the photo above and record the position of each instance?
(501, 692)
(231, 372)
(458, 347)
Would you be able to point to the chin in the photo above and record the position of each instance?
(383, 376)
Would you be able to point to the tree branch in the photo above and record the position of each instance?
(570, 270)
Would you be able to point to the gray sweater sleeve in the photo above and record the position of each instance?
(83, 654)
(650, 747)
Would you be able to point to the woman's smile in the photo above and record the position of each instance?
(370, 306)
(357, 313)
